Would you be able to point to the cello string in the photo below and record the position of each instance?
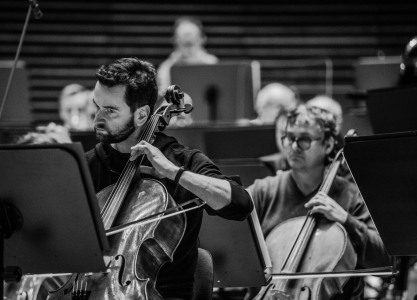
(131, 166)
(147, 135)
(124, 179)
(115, 193)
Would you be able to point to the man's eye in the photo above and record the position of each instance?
(110, 110)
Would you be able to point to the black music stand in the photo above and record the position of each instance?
(392, 109)
(221, 93)
(384, 168)
(240, 256)
(50, 220)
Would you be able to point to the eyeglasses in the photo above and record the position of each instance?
(303, 142)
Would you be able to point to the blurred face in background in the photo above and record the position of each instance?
(280, 124)
(76, 111)
(188, 37)
(271, 100)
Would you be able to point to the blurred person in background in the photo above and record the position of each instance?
(189, 48)
(272, 105)
(76, 108)
(272, 99)
(50, 134)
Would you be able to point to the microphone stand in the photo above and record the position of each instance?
(33, 7)
(7, 225)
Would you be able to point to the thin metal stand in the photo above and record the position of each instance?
(33, 7)
(11, 220)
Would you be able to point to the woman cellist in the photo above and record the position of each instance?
(309, 145)
(125, 95)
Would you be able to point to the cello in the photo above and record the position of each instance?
(137, 253)
(309, 244)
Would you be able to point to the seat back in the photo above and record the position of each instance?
(203, 276)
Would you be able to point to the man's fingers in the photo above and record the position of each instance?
(315, 202)
(137, 150)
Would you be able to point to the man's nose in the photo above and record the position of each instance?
(97, 115)
(294, 145)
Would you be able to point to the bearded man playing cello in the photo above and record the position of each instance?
(124, 96)
(308, 143)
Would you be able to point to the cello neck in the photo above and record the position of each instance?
(325, 186)
(330, 174)
(115, 200)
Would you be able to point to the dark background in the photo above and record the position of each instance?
(294, 41)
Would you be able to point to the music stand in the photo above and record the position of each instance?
(223, 92)
(51, 189)
(240, 256)
(17, 109)
(384, 168)
(238, 251)
(248, 170)
(392, 109)
(234, 142)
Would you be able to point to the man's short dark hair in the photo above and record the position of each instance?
(137, 75)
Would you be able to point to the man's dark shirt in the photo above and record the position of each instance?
(174, 279)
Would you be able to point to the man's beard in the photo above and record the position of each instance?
(115, 136)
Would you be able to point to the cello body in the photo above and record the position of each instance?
(328, 250)
(136, 254)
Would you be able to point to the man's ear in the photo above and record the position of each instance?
(330, 143)
(141, 115)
